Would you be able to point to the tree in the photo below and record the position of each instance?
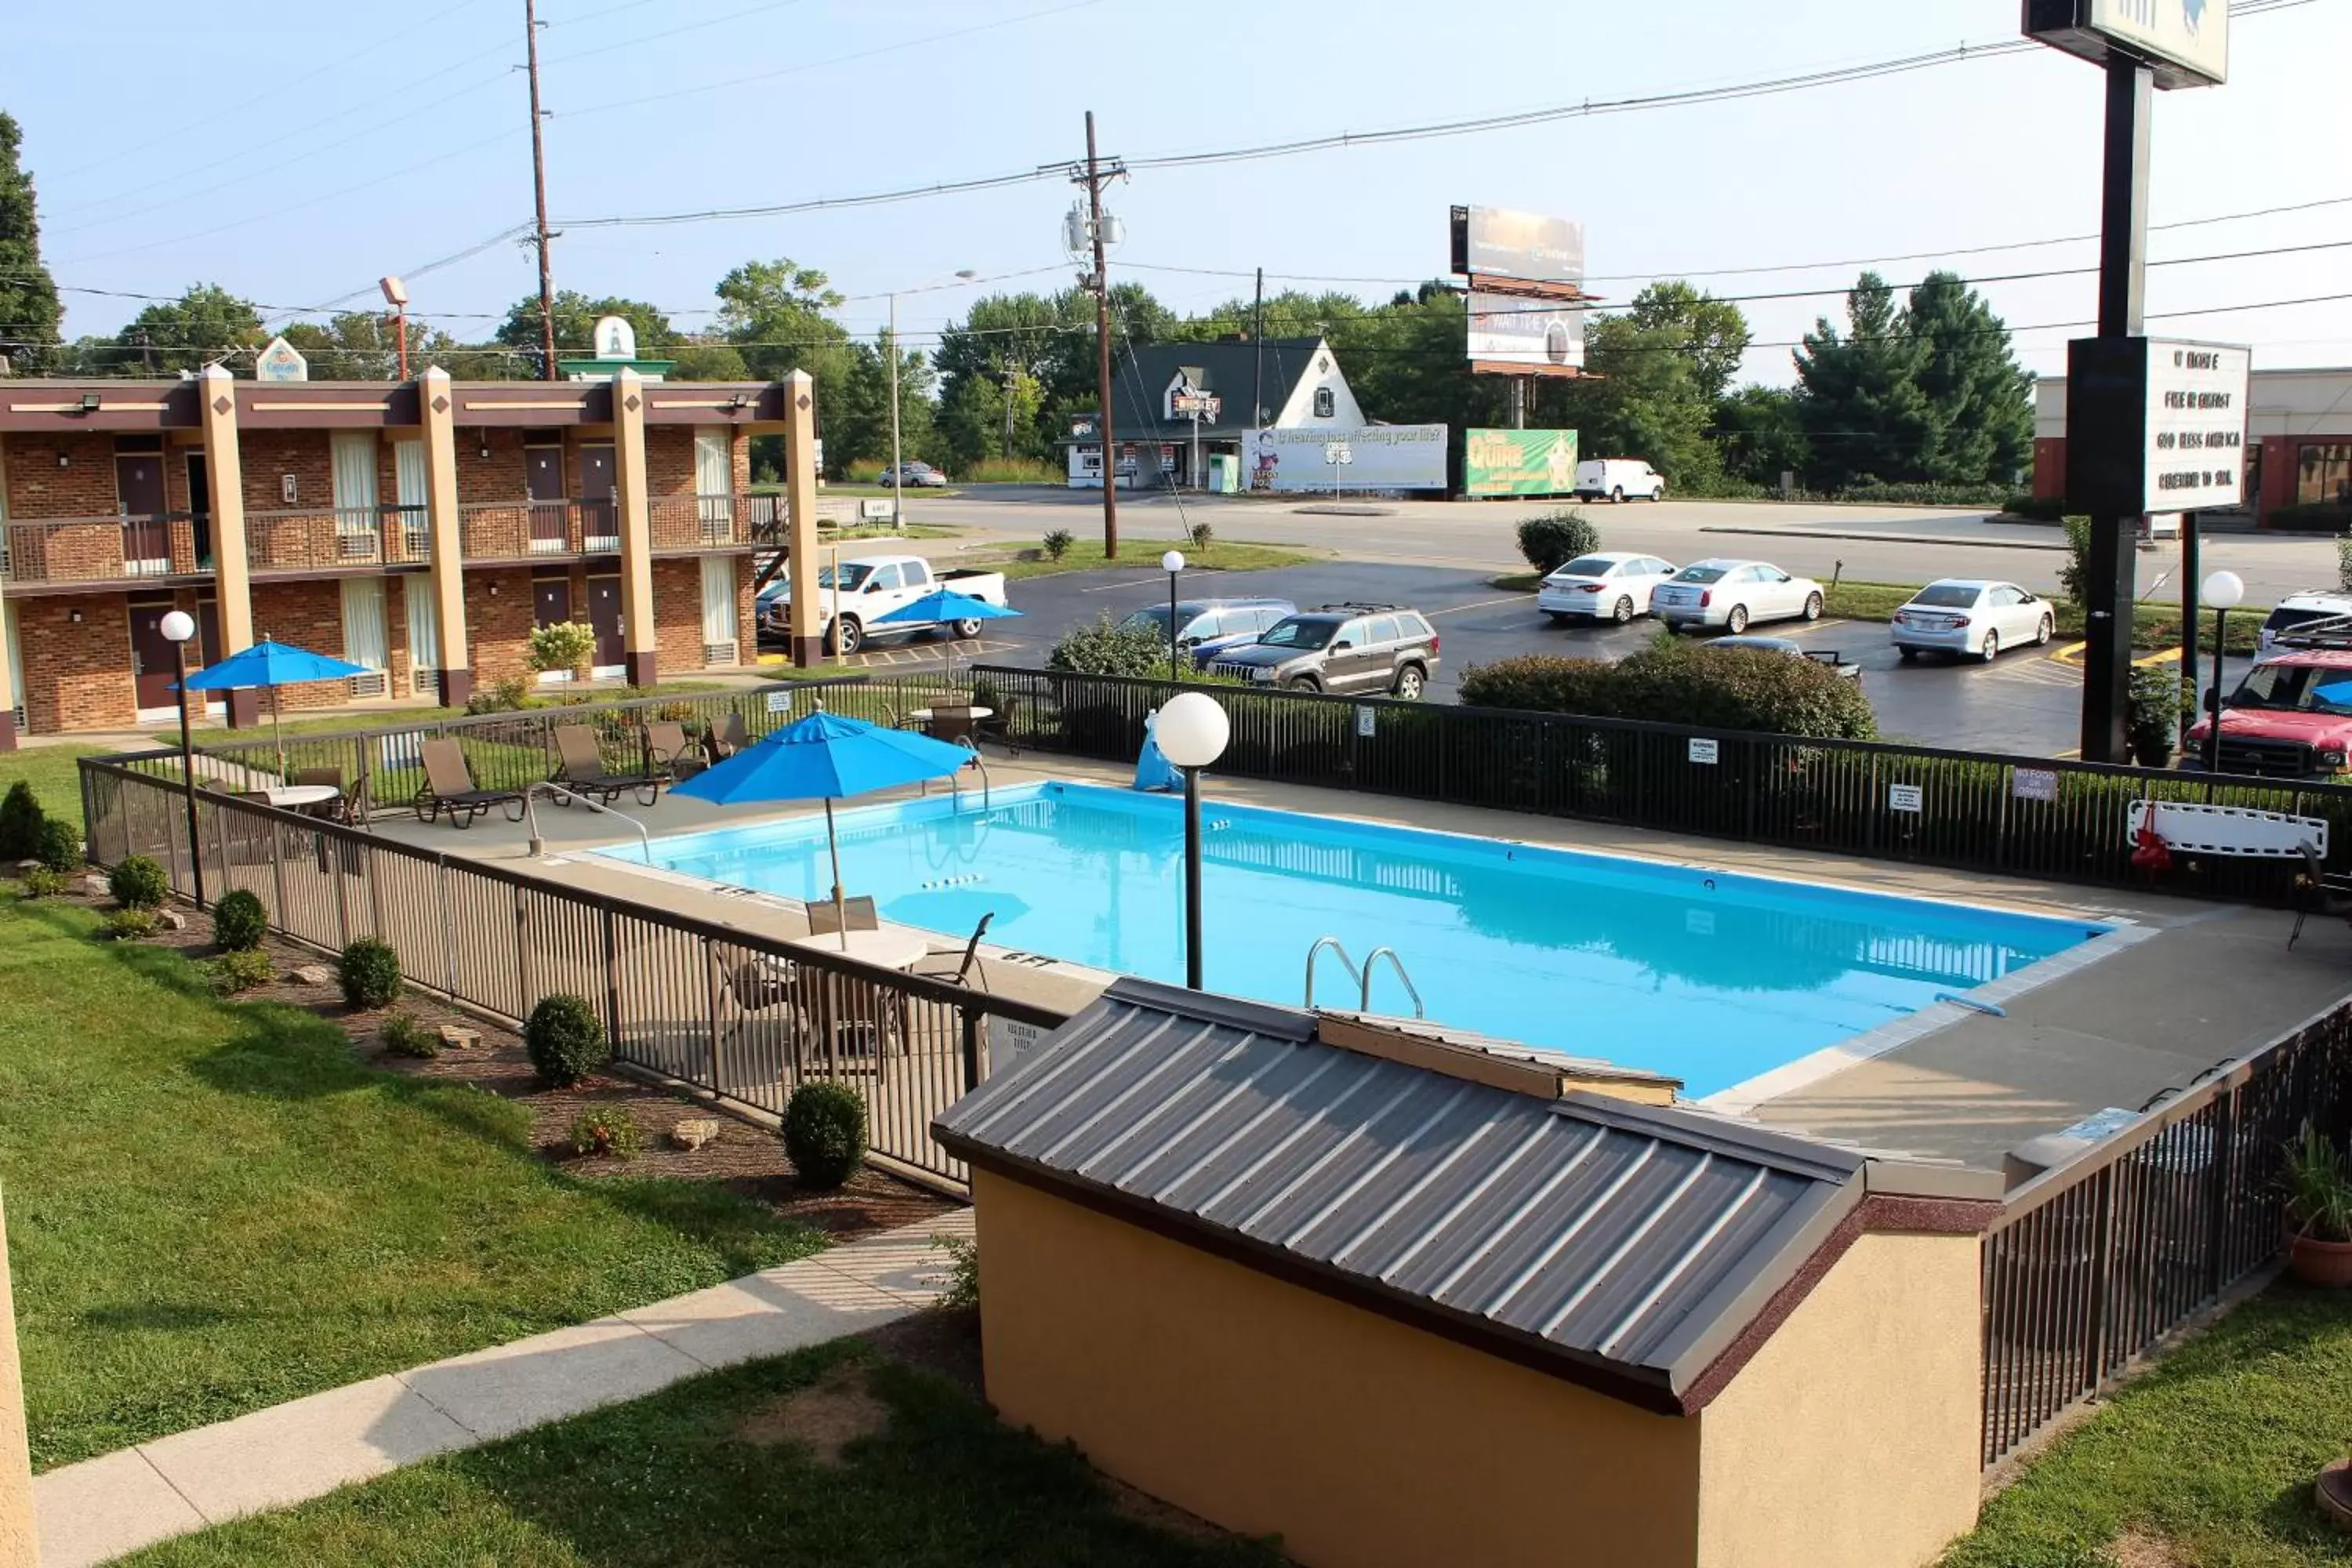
(205, 324)
(1980, 400)
(1659, 368)
(856, 402)
(1760, 436)
(364, 345)
(575, 317)
(29, 312)
(1858, 393)
(774, 314)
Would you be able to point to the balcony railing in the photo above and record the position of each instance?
(524, 529)
(708, 521)
(314, 539)
(118, 549)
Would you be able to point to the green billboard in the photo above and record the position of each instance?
(1519, 462)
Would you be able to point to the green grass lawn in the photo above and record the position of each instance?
(1143, 555)
(671, 1479)
(2212, 1455)
(212, 1207)
(57, 783)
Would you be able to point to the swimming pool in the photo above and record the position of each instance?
(1708, 976)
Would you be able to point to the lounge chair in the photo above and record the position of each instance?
(2318, 892)
(449, 788)
(968, 969)
(825, 921)
(729, 736)
(669, 755)
(582, 770)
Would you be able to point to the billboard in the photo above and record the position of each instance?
(1540, 334)
(1378, 458)
(2188, 41)
(1519, 462)
(1489, 242)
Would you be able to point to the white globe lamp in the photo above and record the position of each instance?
(2223, 590)
(178, 627)
(1191, 731)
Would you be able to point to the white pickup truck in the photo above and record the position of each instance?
(869, 588)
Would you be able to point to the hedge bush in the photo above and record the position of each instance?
(607, 1130)
(2040, 508)
(1914, 494)
(20, 824)
(1683, 683)
(40, 882)
(239, 921)
(2311, 517)
(824, 1134)
(234, 972)
(1551, 539)
(128, 924)
(565, 1039)
(1106, 646)
(138, 883)
(58, 846)
(405, 1034)
(370, 973)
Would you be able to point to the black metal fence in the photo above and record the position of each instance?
(746, 1017)
(2019, 816)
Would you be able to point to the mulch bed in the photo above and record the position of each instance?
(746, 1160)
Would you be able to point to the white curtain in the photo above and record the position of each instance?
(718, 628)
(714, 482)
(408, 481)
(364, 640)
(355, 497)
(423, 624)
(15, 658)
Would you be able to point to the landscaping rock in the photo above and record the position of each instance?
(695, 1131)
(457, 1037)
(97, 887)
(24, 866)
(313, 974)
(170, 920)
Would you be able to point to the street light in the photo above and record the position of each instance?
(1191, 731)
(396, 294)
(897, 484)
(2223, 590)
(1172, 562)
(178, 627)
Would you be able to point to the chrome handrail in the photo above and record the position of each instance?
(1364, 992)
(539, 846)
(1316, 952)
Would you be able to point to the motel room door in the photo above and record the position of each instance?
(139, 496)
(543, 481)
(153, 671)
(605, 615)
(600, 499)
(550, 600)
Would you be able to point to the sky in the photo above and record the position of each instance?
(295, 152)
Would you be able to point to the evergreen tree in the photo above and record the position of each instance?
(1760, 436)
(1980, 402)
(1661, 365)
(1858, 393)
(29, 312)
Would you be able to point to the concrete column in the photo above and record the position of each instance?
(800, 500)
(19, 1546)
(640, 637)
(225, 488)
(437, 411)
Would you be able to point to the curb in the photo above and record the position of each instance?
(1885, 538)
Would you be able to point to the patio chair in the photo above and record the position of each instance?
(449, 788)
(760, 984)
(328, 778)
(2318, 892)
(583, 771)
(824, 920)
(669, 754)
(968, 969)
(953, 723)
(729, 736)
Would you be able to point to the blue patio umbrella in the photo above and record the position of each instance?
(273, 664)
(824, 757)
(944, 606)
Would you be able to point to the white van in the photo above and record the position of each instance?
(1617, 478)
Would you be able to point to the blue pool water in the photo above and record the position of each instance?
(1708, 975)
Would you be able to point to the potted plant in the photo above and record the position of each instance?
(2154, 715)
(2318, 1211)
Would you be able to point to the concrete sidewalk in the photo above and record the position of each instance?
(103, 1507)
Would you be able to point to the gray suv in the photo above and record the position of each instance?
(1339, 647)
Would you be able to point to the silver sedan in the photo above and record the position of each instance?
(1970, 617)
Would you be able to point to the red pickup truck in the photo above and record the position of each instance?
(2291, 718)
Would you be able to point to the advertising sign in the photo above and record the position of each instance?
(2188, 41)
(1519, 462)
(1492, 242)
(2154, 425)
(1207, 405)
(1380, 458)
(280, 361)
(1540, 334)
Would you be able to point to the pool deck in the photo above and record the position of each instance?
(2199, 982)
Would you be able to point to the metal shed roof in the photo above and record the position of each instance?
(1625, 1244)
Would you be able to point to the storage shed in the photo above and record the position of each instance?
(1408, 1304)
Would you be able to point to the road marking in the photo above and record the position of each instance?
(1152, 583)
(2069, 751)
(1481, 605)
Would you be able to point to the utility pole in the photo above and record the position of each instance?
(897, 464)
(538, 193)
(1257, 354)
(1102, 347)
(1012, 379)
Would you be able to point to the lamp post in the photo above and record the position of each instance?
(177, 627)
(1172, 562)
(2223, 590)
(897, 484)
(396, 294)
(1192, 731)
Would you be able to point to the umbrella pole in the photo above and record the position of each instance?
(278, 724)
(840, 905)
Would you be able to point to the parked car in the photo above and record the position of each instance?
(1612, 584)
(1970, 617)
(1615, 479)
(1341, 647)
(915, 476)
(1207, 627)
(2300, 609)
(1732, 593)
(1758, 642)
(870, 588)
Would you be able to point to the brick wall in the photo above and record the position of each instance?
(309, 616)
(677, 615)
(747, 621)
(499, 625)
(39, 489)
(77, 674)
(269, 455)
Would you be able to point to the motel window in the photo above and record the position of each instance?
(2325, 473)
(1324, 405)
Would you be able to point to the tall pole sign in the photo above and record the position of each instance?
(2142, 45)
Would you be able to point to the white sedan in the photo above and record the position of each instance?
(1611, 584)
(1970, 617)
(1732, 593)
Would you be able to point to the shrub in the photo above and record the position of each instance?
(1106, 646)
(58, 846)
(40, 882)
(128, 924)
(1550, 539)
(234, 972)
(1202, 535)
(1057, 542)
(2311, 517)
(824, 1134)
(607, 1130)
(565, 1039)
(2317, 1187)
(1681, 683)
(2153, 707)
(561, 644)
(138, 883)
(20, 824)
(405, 1036)
(961, 1293)
(2074, 572)
(239, 921)
(2040, 508)
(1911, 493)
(370, 973)
(510, 695)
(2344, 562)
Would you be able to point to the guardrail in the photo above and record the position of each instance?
(744, 1018)
(2030, 817)
(120, 548)
(2091, 1264)
(317, 538)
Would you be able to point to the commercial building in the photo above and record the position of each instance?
(2298, 438)
(1238, 386)
(420, 528)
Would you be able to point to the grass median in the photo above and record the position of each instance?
(1143, 555)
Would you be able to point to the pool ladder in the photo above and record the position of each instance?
(1362, 976)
